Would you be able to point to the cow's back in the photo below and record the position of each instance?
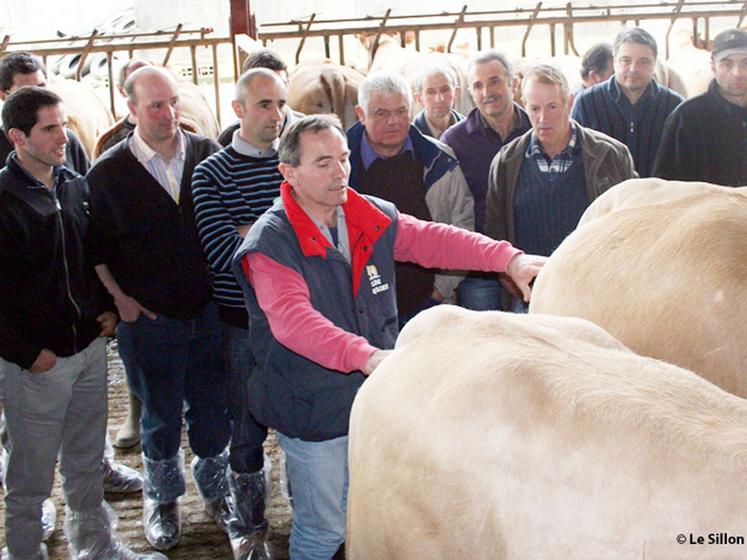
(487, 436)
(667, 279)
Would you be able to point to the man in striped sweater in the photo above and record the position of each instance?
(231, 189)
(631, 106)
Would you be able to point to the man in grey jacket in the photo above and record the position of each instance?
(391, 159)
(541, 182)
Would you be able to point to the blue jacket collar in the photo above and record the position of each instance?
(436, 161)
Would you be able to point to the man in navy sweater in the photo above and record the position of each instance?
(541, 182)
(630, 106)
(231, 189)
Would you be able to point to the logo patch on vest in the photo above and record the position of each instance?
(376, 283)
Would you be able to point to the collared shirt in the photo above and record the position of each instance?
(248, 149)
(369, 155)
(60, 173)
(168, 174)
(561, 162)
(342, 243)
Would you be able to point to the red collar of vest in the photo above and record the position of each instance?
(365, 223)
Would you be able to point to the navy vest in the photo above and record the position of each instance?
(547, 206)
(288, 392)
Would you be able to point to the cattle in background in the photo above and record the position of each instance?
(691, 63)
(391, 57)
(662, 266)
(197, 109)
(87, 114)
(489, 435)
(322, 86)
(569, 65)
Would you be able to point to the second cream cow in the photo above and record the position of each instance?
(662, 266)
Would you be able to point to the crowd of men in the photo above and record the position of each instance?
(255, 283)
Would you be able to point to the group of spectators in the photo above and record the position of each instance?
(256, 285)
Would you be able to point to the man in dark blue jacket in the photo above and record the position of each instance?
(53, 324)
(631, 106)
(20, 69)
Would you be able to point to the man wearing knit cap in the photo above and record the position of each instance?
(705, 138)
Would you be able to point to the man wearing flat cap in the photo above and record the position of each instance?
(705, 138)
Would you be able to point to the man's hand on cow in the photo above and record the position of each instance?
(45, 361)
(374, 360)
(522, 269)
(130, 309)
(108, 322)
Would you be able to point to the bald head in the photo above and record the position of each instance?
(249, 80)
(153, 99)
(146, 75)
(260, 105)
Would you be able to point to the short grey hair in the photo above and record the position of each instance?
(635, 35)
(489, 56)
(289, 151)
(131, 80)
(431, 70)
(382, 83)
(546, 74)
(246, 79)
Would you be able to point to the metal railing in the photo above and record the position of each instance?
(567, 16)
(85, 46)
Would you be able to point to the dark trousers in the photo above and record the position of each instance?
(248, 435)
(172, 363)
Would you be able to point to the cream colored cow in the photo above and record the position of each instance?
(492, 436)
(662, 266)
(87, 114)
(692, 64)
(322, 86)
(391, 57)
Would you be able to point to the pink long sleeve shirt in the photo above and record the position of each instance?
(283, 294)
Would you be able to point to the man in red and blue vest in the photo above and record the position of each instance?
(317, 271)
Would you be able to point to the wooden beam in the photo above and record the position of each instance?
(304, 34)
(530, 23)
(172, 42)
(457, 24)
(375, 45)
(84, 54)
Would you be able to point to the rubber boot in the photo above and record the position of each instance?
(42, 555)
(164, 483)
(248, 528)
(49, 518)
(209, 474)
(129, 433)
(92, 536)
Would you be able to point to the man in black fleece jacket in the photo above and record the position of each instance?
(53, 324)
(148, 254)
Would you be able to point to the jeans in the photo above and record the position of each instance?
(480, 293)
(61, 410)
(170, 363)
(248, 435)
(318, 474)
